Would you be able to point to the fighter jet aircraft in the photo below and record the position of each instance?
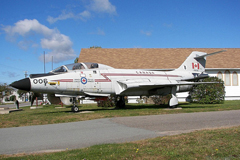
(82, 80)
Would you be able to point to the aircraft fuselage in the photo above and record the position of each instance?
(108, 81)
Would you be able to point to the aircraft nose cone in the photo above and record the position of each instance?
(23, 84)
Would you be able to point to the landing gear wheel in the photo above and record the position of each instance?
(75, 109)
(173, 107)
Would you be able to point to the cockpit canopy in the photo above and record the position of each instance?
(79, 66)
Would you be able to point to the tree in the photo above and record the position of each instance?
(5, 88)
(76, 60)
(208, 93)
(12, 98)
(95, 47)
(21, 92)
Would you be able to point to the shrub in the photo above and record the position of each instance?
(109, 102)
(208, 93)
(7, 99)
(158, 100)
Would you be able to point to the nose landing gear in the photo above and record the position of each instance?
(74, 107)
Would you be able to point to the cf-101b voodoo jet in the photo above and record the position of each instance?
(82, 80)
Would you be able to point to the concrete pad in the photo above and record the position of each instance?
(35, 107)
(59, 107)
(4, 108)
(173, 108)
(4, 112)
(9, 111)
(86, 112)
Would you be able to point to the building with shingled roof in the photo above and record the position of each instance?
(224, 65)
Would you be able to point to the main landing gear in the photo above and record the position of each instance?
(120, 103)
(173, 102)
(74, 107)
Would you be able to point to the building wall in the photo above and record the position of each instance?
(232, 90)
(20, 99)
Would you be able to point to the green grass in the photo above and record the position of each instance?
(50, 115)
(207, 144)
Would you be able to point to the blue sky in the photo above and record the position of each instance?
(62, 27)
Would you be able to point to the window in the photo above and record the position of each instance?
(235, 79)
(227, 78)
(219, 75)
(60, 70)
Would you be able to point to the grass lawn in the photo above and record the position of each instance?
(50, 115)
(221, 143)
(207, 144)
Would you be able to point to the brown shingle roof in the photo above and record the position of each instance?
(158, 58)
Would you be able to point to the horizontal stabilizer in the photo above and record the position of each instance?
(197, 77)
(199, 57)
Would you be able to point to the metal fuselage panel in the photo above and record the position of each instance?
(107, 81)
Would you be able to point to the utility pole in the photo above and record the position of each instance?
(26, 74)
(52, 62)
(25, 95)
(44, 61)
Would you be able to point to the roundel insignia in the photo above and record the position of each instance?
(83, 80)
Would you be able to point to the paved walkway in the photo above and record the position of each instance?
(22, 104)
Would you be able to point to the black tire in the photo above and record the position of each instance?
(75, 109)
(121, 103)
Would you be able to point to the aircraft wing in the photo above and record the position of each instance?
(132, 85)
(87, 94)
(96, 94)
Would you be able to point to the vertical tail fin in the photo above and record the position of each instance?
(196, 61)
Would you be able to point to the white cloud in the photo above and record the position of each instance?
(99, 6)
(147, 33)
(25, 44)
(62, 16)
(99, 32)
(103, 6)
(60, 45)
(83, 15)
(168, 25)
(24, 27)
